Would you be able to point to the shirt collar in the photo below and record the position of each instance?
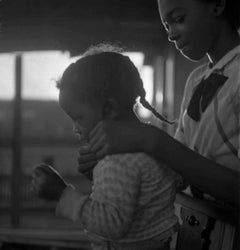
(220, 65)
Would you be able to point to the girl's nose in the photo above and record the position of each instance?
(173, 35)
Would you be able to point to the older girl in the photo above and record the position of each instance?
(206, 147)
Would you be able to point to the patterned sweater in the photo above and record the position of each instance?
(132, 200)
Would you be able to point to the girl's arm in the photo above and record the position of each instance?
(212, 178)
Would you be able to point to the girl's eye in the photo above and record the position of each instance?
(172, 21)
(179, 19)
(76, 118)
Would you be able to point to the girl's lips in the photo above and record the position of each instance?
(181, 46)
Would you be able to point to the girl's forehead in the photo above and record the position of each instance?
(166, 6)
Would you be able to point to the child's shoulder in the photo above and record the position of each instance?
(133, 165)
(131, 158)
(134, 160)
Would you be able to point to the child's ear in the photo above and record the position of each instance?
(110, 109)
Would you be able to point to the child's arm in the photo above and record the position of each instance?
(109, 210)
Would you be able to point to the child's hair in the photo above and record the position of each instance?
(106, 73)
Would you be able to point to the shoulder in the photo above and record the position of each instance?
(130, 159)
(122, 167)
(196, 75)
(232, 70)
(133, 161)
(133, 167)
(193, 79)
(232, 89)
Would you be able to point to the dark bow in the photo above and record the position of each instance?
(204, 94)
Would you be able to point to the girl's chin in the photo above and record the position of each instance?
(190, 55)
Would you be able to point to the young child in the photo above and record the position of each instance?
(131, 204)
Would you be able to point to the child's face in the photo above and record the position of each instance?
(84, 116)
(191, 25)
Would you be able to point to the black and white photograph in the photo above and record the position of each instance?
(119, 124)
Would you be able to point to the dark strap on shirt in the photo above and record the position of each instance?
(203, 95)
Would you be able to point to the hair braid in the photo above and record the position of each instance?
(139, 91)
(148, 106)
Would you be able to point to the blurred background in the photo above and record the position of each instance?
(38, 40)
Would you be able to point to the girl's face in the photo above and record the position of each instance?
(191, 25)
(83, 115)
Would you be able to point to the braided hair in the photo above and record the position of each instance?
(108, 72)
(138, 90)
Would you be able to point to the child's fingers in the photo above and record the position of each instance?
(38, 176)
(37, 172)
(33, 184)
(46, 169)
(51, 174)
(35, 187)
(42, 176)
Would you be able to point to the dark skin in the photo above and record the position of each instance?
(214, 37)
(213, 178)
(47, 183)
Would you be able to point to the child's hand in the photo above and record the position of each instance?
(47, 183)
(86, 161)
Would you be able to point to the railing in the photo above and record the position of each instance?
(5, 189)
(25, 192)
(27, 199)
(38, 224)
